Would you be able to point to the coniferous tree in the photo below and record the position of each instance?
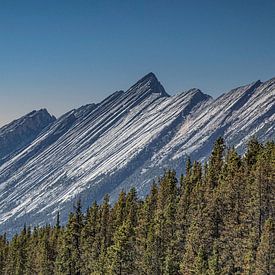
(146, 242)
(12, 258)
(44, 255)
(69, 258)
(104, 237)
(215, 163)
(166, 220)
(121, 255)
(3, 253)
(90, 248)
(265, 259)
(232, 235)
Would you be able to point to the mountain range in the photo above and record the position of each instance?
(126, 140)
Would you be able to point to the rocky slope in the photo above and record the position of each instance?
(126, 140)
(21, 132)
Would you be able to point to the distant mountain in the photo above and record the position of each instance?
(23, 131)
(126, 140)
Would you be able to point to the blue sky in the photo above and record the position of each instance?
(63, 54)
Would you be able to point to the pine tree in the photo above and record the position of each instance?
(165, 219)
(57, 225)
(121, 255)
(90, 249)
(63, 259)
(213, 261)
(119, 211)
(3, 253)
(200, 264)
(22, 251)
(104, 236)
(44, 257)
(183, 210)
(253, 149)
(12, 258)
(265, 261)
(232, 233)
(131, 206)
(193, 245)
(215, 163)
(69, 258)
(146, 243)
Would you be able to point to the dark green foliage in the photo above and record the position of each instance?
(265, 263)
(218, 219)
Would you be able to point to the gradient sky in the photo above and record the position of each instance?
(62, 54)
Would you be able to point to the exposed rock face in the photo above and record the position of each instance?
(126, 140)
(21, 132)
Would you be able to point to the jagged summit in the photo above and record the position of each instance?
(195, 91)
(148, 83)
(15, 135)
(43, 112)
(35, 114)
(150, 76)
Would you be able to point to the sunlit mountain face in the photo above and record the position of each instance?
(126, 140)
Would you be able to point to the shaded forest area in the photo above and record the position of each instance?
(218, 218)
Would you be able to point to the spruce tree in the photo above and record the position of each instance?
(121, 255)
(3, 253)
(265, 259)
(145, 240)
(215, 163)
(165, 219)
(90, 250)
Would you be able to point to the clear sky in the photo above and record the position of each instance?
(61, 54)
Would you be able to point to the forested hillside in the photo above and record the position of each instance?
(217, 218)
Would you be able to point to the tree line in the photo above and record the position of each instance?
(217, 218)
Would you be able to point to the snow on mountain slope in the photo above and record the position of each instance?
(19, 133)
(80, 152)
(125, 140)
(237, 115)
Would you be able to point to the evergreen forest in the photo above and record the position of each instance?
(216, 218)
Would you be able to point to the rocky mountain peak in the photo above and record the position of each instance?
(15, 135)
(149, 83)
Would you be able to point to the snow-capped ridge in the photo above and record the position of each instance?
(241, 90)
(84, 110)
(42, 113)
(194, 92)
(125, 140)
(114, 96)
(148, 83)
(20, 132)
(148, 77)
(269, 84)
